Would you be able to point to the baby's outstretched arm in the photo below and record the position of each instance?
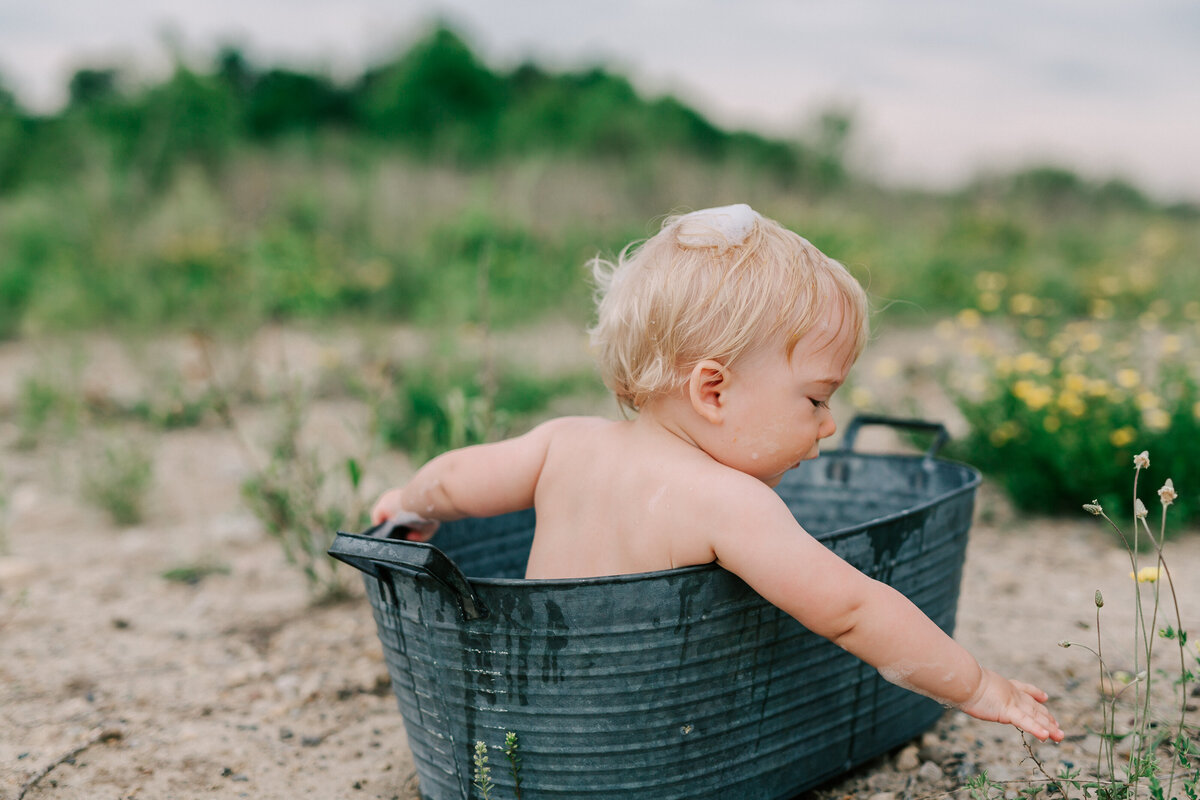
(765, 546)
(477, 481)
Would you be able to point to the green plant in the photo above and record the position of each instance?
(514, 761)
(1037, 417)
(292, 496)
(192, 574)
(430, 410)
(1164, 749)
(44, 405)
(481, 773)
(117, 480)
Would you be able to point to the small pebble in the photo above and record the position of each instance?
(930, 772)
(908, 759)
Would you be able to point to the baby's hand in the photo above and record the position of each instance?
(1001, 700)
(389, 508)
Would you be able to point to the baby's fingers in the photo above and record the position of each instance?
(1031, 690)
(1036, 720)
(386, 506)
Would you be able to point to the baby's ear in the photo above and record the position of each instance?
(706, 384)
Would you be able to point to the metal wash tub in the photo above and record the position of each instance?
(675, 684)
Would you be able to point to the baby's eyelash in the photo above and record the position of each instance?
(819, 403)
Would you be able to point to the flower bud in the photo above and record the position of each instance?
(1139, 509)
(1099, 599)
(1093, 508)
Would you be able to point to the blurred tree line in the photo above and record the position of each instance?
(436, 101)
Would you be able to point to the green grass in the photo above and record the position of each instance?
(117, 479)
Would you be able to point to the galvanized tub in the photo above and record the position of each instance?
(675, 684)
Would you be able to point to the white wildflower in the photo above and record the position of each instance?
(1167, 493)
(1142, 460)
(1093, 508)
(1139, 509)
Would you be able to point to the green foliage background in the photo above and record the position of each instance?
(234, 195)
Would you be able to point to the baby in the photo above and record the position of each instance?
(727, 335)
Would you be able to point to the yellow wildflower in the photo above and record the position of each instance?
(1122, 437)
(861, 397)
(1090, 342)
(1146, 400)
(1128, 378)
(1004, 433)
(1027, 362)
(945, 329)
(1051, 424)
(1171, 344)
(1023, 304)
(969, 318)
(887, 367)
(1099, 387)
(1072, 403)
(988, 301)
(1145, 575)
(1156, 419)
(1034, 395)
(990, 281)
(1101, 309)
(1075, 382)
(1109, 284)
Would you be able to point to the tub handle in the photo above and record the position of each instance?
(940, 435)
(380, 557)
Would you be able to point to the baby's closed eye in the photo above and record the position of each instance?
(819, 403)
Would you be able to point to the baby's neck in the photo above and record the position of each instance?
(670, 419)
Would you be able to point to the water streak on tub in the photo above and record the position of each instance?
(556, 640)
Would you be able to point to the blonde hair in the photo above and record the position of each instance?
(690, 293)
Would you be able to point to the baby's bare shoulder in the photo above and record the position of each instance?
(575, 426)
(719, 496)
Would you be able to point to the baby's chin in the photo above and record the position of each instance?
(775, 480)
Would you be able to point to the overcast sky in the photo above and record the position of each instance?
(940, 89)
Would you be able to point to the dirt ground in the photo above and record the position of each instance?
(116, 682)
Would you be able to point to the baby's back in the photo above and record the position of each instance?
(605, 501)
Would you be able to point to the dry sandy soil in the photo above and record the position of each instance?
(118, 683)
